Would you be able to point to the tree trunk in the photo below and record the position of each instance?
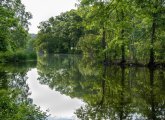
(104, 44)
(123, 44)
(122, 48)
(152, 56)
(69, 46)
(103, 39)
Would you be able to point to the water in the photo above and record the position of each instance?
(58, 104)
(71, 87)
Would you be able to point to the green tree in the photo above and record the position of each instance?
(7, 21)
(14, 25)
(60, 34)
(154, 11)
(133, 29)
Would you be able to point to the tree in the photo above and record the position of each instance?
(14, 25)
(60, 34)
(6, 22)
(154, 10)
(127, 27)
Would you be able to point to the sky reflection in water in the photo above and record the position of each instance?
(59, 106)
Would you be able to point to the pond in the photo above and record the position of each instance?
(70, 87)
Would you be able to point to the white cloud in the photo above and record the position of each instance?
(44, 9)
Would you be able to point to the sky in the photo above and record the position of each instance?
(42, 10)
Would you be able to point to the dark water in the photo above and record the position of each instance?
(72, 87)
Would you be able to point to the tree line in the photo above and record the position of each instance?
(122, 30)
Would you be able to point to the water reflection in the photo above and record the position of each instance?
(59, 106)
(14, 101)
(128, 93)
(61, 82)
(119, 93)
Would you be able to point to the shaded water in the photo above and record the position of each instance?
(71, 87)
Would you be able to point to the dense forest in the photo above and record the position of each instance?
(126, 31)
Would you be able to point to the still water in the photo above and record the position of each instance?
(59, 105)
(70, 87)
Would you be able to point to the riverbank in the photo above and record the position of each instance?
(18, 56)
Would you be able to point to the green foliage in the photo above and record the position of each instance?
(131, 31)
(60, 34)
(13, 30)
(89, 44)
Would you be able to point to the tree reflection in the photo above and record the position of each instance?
(3, 80)
(14, 101)
(115, 102)
(154, 98)
(110, 92)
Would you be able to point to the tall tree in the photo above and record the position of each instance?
(14, 24)
(154, 11)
